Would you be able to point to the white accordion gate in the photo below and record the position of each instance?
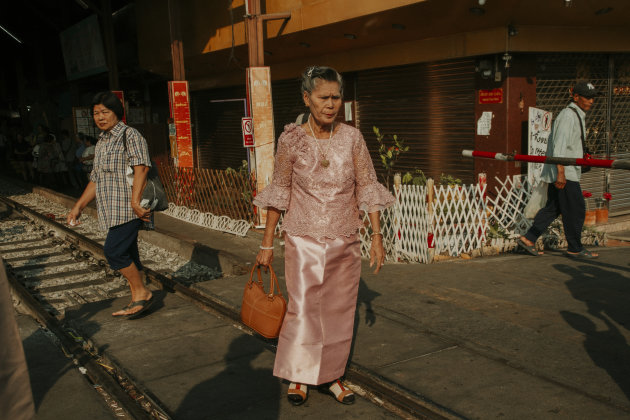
(449, 220)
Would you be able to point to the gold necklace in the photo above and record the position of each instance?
(323, 162)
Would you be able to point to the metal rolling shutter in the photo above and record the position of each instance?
(607, 124)
(430, 106)
(287, 103)
(620, 134)
(218, 139)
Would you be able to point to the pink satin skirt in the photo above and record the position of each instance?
(322, 283)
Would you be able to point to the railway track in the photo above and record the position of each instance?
(53, 267)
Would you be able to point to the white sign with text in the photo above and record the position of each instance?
(539, 131)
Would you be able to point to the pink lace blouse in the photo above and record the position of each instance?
(323, 202)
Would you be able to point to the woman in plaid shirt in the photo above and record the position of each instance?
(118, 204)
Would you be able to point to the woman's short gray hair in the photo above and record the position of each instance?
(311, 74)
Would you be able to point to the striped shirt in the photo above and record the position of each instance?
(113, 193)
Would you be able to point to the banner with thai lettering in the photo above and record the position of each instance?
(121, 96)
(180, 113)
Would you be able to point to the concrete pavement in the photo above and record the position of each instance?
(513, 336)
(200, 366)
(60, 391)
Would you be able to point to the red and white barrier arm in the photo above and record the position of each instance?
(599, 163)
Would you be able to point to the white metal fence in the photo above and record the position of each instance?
(429, 223)
(426, 224)
(208, 220)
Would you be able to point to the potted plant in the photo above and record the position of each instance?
(601, 210)
(590, 216)
(389, 153)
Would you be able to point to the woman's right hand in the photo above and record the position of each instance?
(73, 217)
(264, 257)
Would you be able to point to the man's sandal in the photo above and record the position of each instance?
(584, 254)
(531, 249)
(297, 394)
(339, 391)
(145, 305)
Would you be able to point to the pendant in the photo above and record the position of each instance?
(324, 163)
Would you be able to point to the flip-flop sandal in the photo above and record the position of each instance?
(529, 248)
(339, 391)
(145, 304)
(582, 255)
(297, 394)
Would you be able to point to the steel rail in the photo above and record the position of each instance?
(95, 372)
(403, 400)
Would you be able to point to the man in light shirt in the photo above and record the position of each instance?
(564, 195)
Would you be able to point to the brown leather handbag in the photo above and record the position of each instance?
(261, 311)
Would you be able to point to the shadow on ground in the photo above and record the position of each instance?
(606, 294)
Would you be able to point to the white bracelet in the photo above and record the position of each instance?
(376, 233)
(265, 247)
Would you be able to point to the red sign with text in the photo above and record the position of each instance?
(248, 132)
(491, 96)
(121, 96)
(180, 113)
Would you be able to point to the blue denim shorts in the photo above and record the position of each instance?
(121, 245)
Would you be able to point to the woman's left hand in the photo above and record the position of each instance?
(377, 253)
(141, 212)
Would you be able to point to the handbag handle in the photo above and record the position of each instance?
(273, 280)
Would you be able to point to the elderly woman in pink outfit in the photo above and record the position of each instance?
(323, 177)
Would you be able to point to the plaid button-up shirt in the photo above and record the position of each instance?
(113, 193)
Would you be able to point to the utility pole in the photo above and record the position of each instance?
(259, 97)
(110, 44)
(177, 46)
(255, 39)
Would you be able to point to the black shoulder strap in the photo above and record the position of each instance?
(581, 127)
(125, 139)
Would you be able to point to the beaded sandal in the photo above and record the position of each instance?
(297, 394)
(339, 391)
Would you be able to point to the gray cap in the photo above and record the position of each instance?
(585, 89)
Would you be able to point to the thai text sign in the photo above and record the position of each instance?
(539, 130)
(180, 113)
(491, 96)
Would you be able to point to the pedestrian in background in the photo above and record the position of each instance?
(60, 168)
(323, 177)
(46, 159)
(5, 147)
(22, 155)
(564, 195)
(41, 135)
(68, 147)
(87, 157)
(118, 204)
(76, 170)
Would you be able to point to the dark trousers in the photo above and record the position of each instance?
(121, 245)
(567, 202)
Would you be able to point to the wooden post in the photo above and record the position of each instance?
(180, 134)
(177, 46)
(110, 45)
(254, 34)
(261, 156)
